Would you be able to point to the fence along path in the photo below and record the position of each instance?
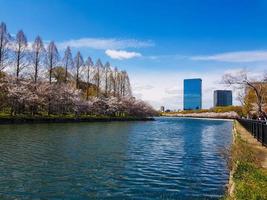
(258, 129)
(260, 150)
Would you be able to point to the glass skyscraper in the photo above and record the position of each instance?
(222, 98)
(192, 94)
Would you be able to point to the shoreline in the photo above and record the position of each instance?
(206, 115)
(203, 118)
(41, 120)
(247, 165)
(231, 184)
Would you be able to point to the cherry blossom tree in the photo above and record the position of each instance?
(111, 90)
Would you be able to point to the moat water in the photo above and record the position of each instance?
(169, 158)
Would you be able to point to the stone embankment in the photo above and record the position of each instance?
(58, 119)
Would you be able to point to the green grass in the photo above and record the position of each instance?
(251, 182)
(3, 115)
(249, 177)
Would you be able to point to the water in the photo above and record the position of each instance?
(169, 158)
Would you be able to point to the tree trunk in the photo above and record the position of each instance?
(18, 66)
(77, 80)
(50, 75)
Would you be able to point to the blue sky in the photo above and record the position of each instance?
(158, 42)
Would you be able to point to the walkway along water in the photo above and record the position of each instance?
(248, 163)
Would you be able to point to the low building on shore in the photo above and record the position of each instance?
(222, 98)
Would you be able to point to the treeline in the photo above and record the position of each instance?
(35, 80)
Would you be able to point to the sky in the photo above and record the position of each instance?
(158, 42)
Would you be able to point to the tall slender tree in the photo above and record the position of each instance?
(115, 81)
(4, 40)
(38, 56)
(30, 98)
(97, 76)
(128, 90)
(111, 83)
(125, 84)
(78, 63)
(122, 86)
(20, 52)
(67, 62)
(88, 64)
(106, 77)
(52, 58)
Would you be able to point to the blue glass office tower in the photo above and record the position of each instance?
(222, 98)
(192, 94)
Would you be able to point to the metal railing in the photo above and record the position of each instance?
(257, 128)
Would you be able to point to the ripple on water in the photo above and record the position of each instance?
(164, 159)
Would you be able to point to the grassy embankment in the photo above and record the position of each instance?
(249, 177)
(22, 118)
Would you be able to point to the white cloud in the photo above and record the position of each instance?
(143, 87)
(239, 56)
(121, 55)
(173, 90)
(105, 43)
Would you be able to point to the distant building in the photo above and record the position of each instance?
(222, 98)
(162, 109)
(193, 94)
